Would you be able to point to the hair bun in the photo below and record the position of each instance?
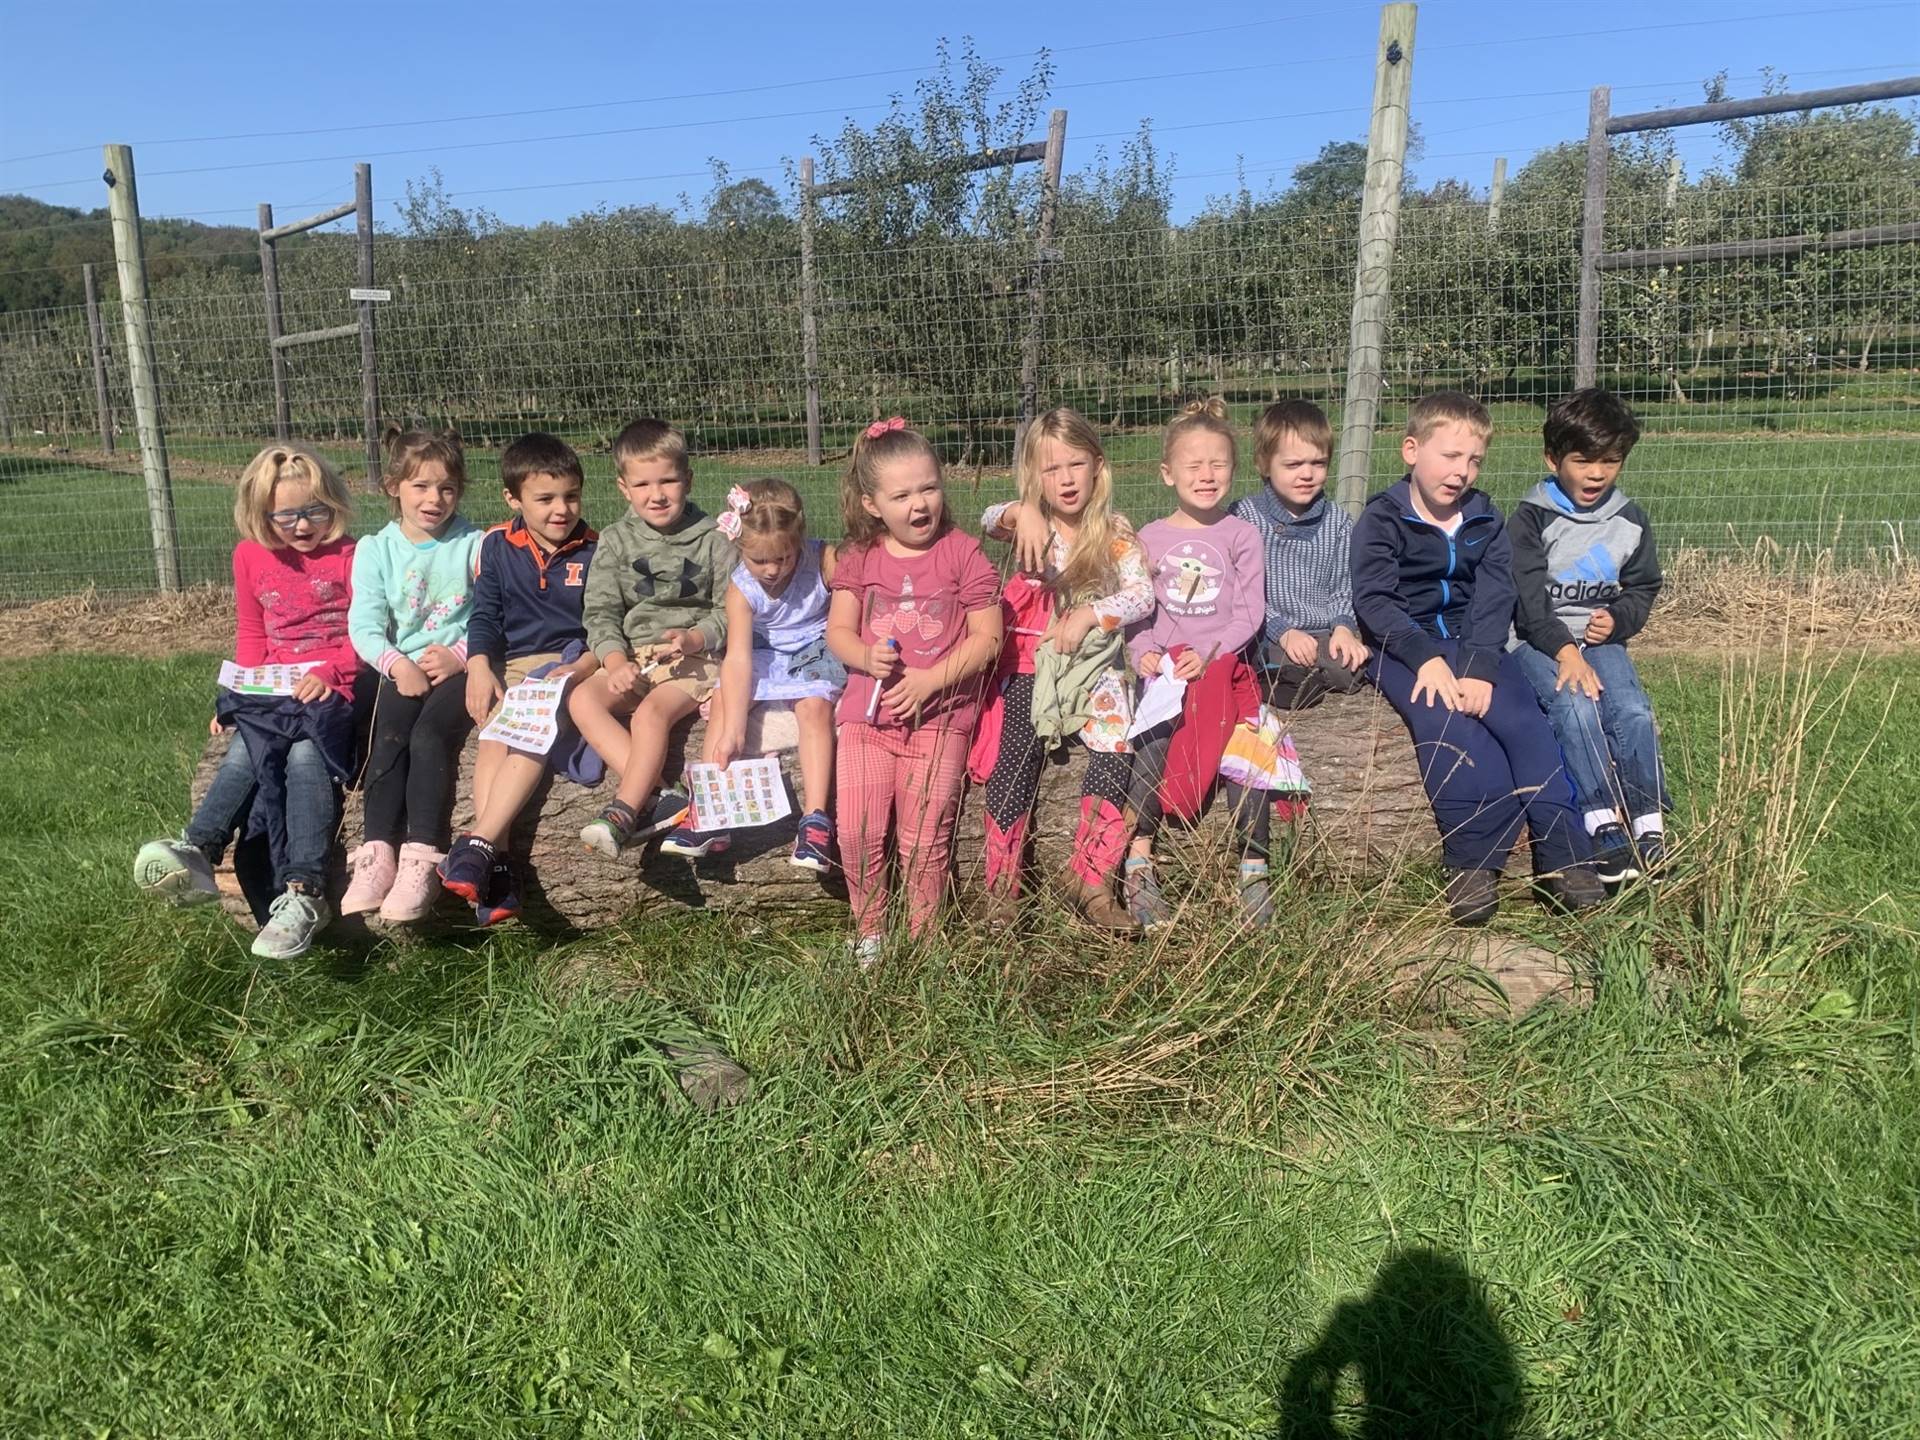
(1213, 407)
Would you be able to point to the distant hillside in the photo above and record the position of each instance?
(42, 248)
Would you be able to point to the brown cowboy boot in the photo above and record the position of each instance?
(1096, 906)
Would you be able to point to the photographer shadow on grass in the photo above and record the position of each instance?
(1430, 1358)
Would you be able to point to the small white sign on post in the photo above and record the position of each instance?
(358, 293)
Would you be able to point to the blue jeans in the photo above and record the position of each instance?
(311, 817)
(1611, 745)
(1486, 775)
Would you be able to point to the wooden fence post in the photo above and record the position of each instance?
(1379, 231)
(1593, 229)
(276, 326)
(809, 325)
(1044, 256)
(97, 339)
(1497, 196)
(123, 203)
(369, 373)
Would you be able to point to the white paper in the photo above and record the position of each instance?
(529, 716)
(1159, 702)
(745, 794)
(262, 679)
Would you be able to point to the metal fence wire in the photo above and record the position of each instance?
(1780, 393)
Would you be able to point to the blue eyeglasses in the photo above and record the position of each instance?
(312, 514)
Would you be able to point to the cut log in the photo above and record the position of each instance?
(1368, 815)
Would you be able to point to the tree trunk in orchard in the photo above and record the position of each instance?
(1368, 814)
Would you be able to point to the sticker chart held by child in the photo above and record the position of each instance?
(745, 794)
(262, 679)
(529, 716)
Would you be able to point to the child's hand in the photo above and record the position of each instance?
(214, 727)
(682, 642)
(1300, 647)
(1599, 627)
(409, 679)
(440, 663)
(1435, 680)
(584, 667)
(1346, 648)
(1070, 629)
(1189, 665)
(912, 690)
(723, 743)
(622, 674)
(1575, 671)
(1476, 697)
(882, 660)
(483, 691)
(311, 688)
(1032, 539)
(1149, 664)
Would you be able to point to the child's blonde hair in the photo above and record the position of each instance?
(1208, 416)
(1302, 419)
(879, 444)
(652, 440)
(1089, 571)
(773, 511)
(253, 500)
(1447, 407)
(408, 450)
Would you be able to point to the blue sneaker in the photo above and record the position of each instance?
(812, 848)
(502, 900)
(468, 868)
(695, 844)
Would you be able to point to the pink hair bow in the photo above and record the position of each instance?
(881, 427)
(728, 522)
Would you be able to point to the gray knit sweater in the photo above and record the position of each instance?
(1309, 580)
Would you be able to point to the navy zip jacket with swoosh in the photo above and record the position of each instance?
(1415, 585)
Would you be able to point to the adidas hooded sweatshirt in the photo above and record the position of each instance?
(1569, 564)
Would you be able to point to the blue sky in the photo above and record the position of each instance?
(1222, 83)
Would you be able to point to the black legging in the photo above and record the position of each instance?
(1016, 774)
(412, 759)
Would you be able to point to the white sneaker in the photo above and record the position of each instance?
(867, 950)
(175, 871)
(296, 917)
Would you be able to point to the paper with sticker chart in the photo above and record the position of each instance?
(529, 716)
(263, 679)
(745, 794)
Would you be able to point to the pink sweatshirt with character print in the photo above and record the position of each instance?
(292, 609)
(1209, 588)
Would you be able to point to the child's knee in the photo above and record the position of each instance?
(813, 711)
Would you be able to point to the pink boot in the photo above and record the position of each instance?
(416, 886)
(371, 870)
(1005, 849)
(1098, 843)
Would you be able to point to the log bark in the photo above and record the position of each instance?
(1368, 815)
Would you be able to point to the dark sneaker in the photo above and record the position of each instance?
(1473, 896)
(1145, 903)
(695, 844)
(467, 869)
(1653, 854)
(813, 846)
(1613, 858)
(611, 833)
(669, 811)
(1573, 889)
(502, 901)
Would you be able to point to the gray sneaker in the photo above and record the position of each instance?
(1256, 897)
(1144, 901)
(295, 918)
(175, 871)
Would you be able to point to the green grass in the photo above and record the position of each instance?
(435, 1191)
(1836, 469)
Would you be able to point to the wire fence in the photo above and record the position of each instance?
(1780, 393)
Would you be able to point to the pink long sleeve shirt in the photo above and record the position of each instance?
(292, 608)
(1209, 588)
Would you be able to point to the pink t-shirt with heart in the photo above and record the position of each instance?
(921, 602)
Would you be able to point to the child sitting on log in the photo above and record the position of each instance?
(526, 621)
(1063, 674)
(776, 613)
(655, 623)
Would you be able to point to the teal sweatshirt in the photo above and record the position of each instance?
(407, 597)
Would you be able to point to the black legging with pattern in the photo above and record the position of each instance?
(1016, 775)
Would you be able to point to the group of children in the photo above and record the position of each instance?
(907, 663)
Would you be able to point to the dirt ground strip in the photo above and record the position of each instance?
(1714, 602)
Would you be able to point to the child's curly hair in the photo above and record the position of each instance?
(1208, 417)
(772, 510)
(879, 444)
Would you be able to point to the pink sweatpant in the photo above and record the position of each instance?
(911, 778)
